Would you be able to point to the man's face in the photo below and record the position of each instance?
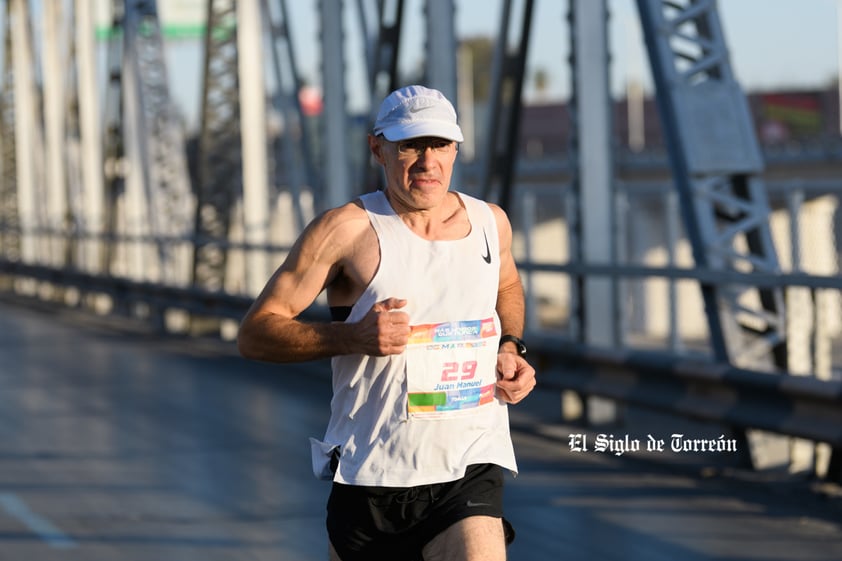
(418, 170)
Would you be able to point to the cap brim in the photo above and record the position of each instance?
(404, 131)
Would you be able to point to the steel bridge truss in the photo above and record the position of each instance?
(149, 183)
(717, 164)
(381, 22)
(294, 159)
(23, 193)
(220, 180)
(508, 75)
(229, 205)
(10, 231)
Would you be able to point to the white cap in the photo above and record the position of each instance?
(415, 111)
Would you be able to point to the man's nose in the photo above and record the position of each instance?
(424, 152)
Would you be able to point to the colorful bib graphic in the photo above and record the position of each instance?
(451, 367)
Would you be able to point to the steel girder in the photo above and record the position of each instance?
(220, 177)
(88, 188)
(82, 142)
(9, 219)
(148, 182)
(508, 73)
(113, 140)
(716, 163)
(55, 46)
(382, 46)
(381, 23)
(73, 149)
(442, 47)
(27, 122)
(157, 130)
(593, 230)
(294, 163)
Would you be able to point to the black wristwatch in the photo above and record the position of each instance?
(521, 346)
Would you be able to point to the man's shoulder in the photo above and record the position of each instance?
(500, 216)
(349, 213)
(475, 200)
(342, 223)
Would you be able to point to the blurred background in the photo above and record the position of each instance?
(671, 170)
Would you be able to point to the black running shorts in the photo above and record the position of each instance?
(388, 523)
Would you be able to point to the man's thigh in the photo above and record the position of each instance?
(476, 538)
(470, 539)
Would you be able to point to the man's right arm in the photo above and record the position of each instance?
(270, 330)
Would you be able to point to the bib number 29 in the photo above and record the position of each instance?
(454, 371)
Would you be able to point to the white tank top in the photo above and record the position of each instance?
(423, 416)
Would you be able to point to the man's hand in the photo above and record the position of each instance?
(515, 377)
(384, 330)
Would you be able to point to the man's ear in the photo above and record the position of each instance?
(376, 148)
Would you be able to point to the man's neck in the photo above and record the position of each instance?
(447, 221)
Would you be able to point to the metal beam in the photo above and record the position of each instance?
(335, 133)
(10, 242)
(441, 47)
(28, 133)
(220, 150)
(253, 134)
(716, 164)
(593, 185)
(442, 51)
(294, 165)
(381, 25)
(594, 172)
(499, 153)
(55, 44)
(384, 47)
(92, 216)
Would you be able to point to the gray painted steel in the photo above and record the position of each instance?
(220, 171)
(716, 163)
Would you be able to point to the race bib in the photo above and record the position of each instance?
(451, 367)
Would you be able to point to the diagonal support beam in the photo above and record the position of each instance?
(716, 163)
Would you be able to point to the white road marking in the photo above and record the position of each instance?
(39, 525)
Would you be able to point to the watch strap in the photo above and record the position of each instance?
(521, 346)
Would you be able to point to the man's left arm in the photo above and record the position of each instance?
(516, 378)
